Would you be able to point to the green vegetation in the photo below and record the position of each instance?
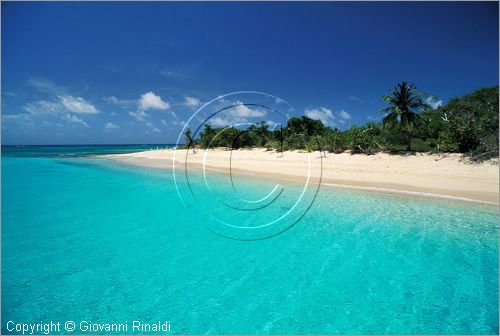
(467, 125)
(404, 106)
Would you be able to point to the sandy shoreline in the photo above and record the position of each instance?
(445, 175)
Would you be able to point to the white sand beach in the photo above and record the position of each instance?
(443, 175)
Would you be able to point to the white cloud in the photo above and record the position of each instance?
(139, 115)
(163, 122)
(110, 125)
(239, 114)
(173, 114)
(66, 103)
(327, 116)
(221, 122)
(153, 127)
(168, 73)
(344, 115)
(178, 123)
(111, 99)
(73, 119)
(272, 125)
(356, 99)
(243, 111)
(62, 109)
(61, 104)
(19, 116)
(191, 101)
(433, 103)
(116, 101)
(323, 114)
(150, 101)
(42, 107)
(77, 105)
(437, 104)
(46, 86)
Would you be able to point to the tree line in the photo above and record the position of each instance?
(467, 125)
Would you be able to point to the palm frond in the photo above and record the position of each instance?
(390, 120)
(404, 103)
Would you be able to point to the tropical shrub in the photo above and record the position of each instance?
(467, 125)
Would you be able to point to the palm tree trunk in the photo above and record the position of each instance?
(408, 148)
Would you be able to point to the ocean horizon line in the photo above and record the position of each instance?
(127, 144)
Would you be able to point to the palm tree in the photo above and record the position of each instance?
(188, 136)
(404, 106)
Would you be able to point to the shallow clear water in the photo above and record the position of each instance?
(74, 150)
(87, 239)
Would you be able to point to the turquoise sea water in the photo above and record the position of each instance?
(88, 239)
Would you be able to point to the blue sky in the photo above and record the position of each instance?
(76, 73)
